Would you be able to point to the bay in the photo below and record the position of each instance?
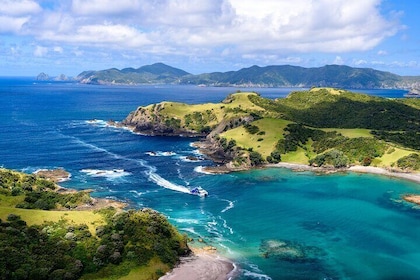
(274, 223)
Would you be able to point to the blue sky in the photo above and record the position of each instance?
(199, 36)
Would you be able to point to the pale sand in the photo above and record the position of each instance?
(202, 265)
(412, 176)
(415, 177)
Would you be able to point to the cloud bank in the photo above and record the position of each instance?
(197, 29)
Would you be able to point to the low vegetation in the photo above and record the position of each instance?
(108, 243)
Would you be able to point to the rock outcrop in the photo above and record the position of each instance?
(148, 120)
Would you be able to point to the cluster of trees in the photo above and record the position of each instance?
(199, 121)
(333, 157)
(344, 110)
(410, 139)
(16, 183)
(360, 150)
(38, 193)
(47, 200)
(65, 251)
(411, 162)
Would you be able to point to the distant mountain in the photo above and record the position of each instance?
(157, 73)
(270, 76)
(295, 76)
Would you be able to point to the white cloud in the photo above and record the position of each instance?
(104, 7)
(40, 51)
(265, 31)
(117, 36)
(19, 7)
(338, 60)
(15, 13)
(11, 24)
(360, 62)
(58, 49)
(382, 52)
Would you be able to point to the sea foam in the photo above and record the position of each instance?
(109, 174)
(200, 169)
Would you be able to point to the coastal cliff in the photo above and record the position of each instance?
(321, 127)
(149, 120)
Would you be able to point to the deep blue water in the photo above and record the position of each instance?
(343, 226)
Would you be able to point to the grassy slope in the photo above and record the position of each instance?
(351, 132)
(221, 110)
(389, 158)
(36, 217)
(273, 129)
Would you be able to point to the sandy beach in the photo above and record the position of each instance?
(202, 265)
(412, 176)
(415, 177)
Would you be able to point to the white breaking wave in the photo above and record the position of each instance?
(160, 154)
(200, 169)
(96, 122)
(255, 275)
(165, 183)
(226, 226)
(230, 206)
(187, 159)
(109, 174)
(190, 230)
(152, 176)
(186, 221)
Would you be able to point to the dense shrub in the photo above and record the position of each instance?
(333, 158)
(255, 158)
(412, 161)
(63, 251)
(251, 129)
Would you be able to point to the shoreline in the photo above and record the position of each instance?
(202, 264)
(411, 176)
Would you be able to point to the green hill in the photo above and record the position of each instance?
(157, 73)
(269, 76)
(295, 76)
(322, 126)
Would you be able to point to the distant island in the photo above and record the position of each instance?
(323, 127)
(45, 77)
(269, 76)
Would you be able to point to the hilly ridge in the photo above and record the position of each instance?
(255, 76)
(320, 127)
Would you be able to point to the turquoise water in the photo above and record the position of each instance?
(274, 223)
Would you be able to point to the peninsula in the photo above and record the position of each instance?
(322, 127)
(50, 233)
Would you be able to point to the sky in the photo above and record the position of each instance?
(201, 36)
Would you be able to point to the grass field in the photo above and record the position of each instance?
(298, 156)
(351, 133)
(388, 158)
(273, 129)
(36, 217)
(239, 103)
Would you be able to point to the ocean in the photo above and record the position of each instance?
(273, 223)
